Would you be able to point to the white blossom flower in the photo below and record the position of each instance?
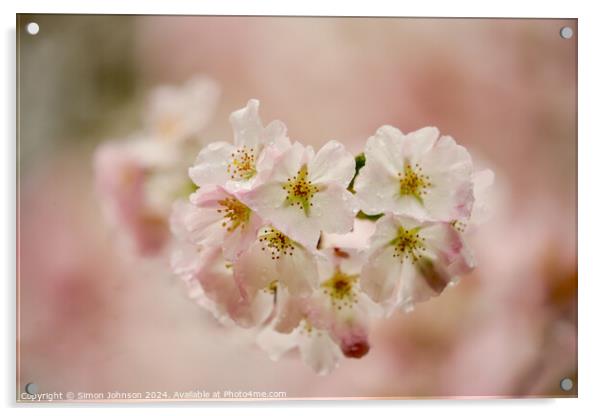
(341, 305)
(221, 219)
(294, 327)
(306, 193)
(419, 174)
(121, 170)
(244, 163)
(181, 112)
(410, 261)
(331, 323)
(209, 277)
(141, 176)
(274, 258)
(318, 350)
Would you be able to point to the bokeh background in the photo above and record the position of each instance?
(93, 318)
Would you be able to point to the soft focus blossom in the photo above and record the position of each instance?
(140, 177)
(306, 192)
(410, 261)
(120, 180)
(244, 163)
(181, 112)
(418, 174)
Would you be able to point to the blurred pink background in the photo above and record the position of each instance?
(95, 318)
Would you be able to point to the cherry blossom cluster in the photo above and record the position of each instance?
(305, 247)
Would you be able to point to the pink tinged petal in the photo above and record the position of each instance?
(204, 226)
(271, 154)
(483, 184)
(238, 241)
(332, 164)
(380, 276)
(298, 272)
(449, 248)
(207, 224)
(450, 169)
(319, 351)
(420, 282)
(446, 256)
(444, 241)
(290, 162)
(217, 281)
(275, 134)
(185, 260)
(276, 344)
(419, 142)
(290, 310)
(211, 164)
(265, 199)
(335, 209)
(254, 270)
(251, 314)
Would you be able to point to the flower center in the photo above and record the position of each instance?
(300, 190)
(242, 166)
(408, 244)
(276, 243)
(235, 213)
(306, 328)
(412, 182)
(340, 288)
(459, 226)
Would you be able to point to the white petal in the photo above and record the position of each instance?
(385, 149)
(298, 272)
(239, 240)
(276, 344)
(380, 276)
(211, 164)
(332, 164)
(254, 313)
(335, 209)
(268, 200)
(385, 231)
(265, 198)
(290, 310)
(275, 133)
(450, 169)
(319, 351)
(421, 281)
(481, 210)
(270, 155)
(255, 270)
(290, 162)
(377, 190)
(247, 125)
(419, 142)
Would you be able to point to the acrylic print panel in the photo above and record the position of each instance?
(296, 207)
